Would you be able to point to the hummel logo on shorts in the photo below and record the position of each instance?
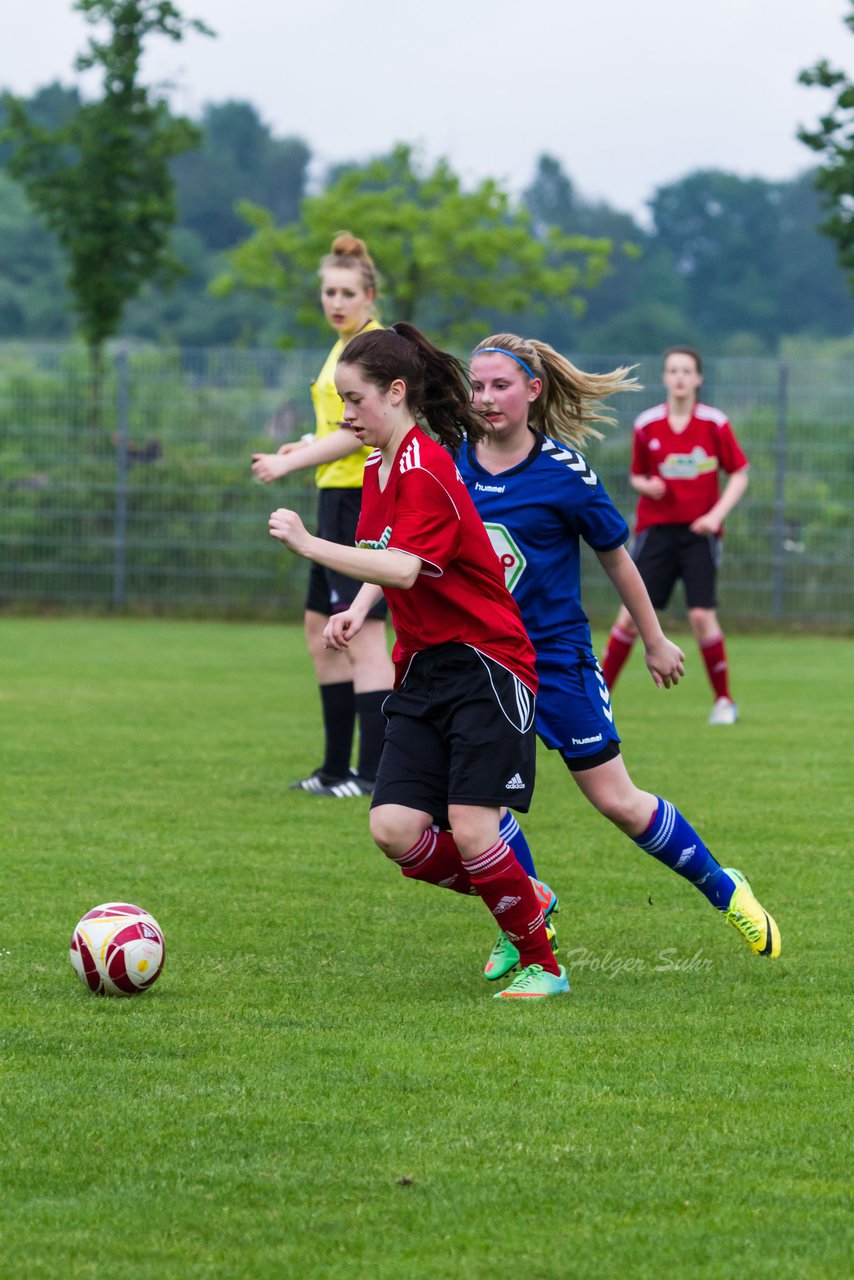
(515, 784)
(505, 904)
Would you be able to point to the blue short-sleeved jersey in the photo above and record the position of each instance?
(535, 515)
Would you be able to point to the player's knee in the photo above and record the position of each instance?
(393, 831)
(704, 623)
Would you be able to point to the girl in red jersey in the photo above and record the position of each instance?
(460, 739)
(679, 450)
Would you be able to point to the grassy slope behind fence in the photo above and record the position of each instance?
(320, 1084)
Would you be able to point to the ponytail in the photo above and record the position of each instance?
(437, 387)
(570, 403)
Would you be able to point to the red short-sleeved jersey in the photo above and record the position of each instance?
(689, 461)
(459, 595)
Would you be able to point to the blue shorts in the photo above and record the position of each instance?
(574, 713)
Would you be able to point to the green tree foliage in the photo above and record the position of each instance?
(833, 140)
(100, 179)
(51, 107)
(239, 159)
(639, 302)
(811, 293)
(451, 260)
(719, 230)
(34, 299)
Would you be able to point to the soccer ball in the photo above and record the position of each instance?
(117, 949)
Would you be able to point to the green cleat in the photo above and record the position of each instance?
(504, 956)
(534, 983)
(752, 920)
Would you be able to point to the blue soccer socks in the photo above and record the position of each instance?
(512, 833)
(673, 841)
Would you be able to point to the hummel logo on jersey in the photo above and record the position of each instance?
(574, 460)
(504, 905)
(411, 456)
(515, 784)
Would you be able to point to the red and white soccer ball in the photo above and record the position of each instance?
(117, 949)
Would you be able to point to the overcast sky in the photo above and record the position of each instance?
(627, 94)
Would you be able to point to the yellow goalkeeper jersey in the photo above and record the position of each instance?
(344, 473)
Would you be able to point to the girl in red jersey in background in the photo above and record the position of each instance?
(460, 740)
(679, 449)
(353, 684)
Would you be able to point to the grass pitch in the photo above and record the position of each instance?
(320, 1084)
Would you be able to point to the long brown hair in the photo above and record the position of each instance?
(437, 387)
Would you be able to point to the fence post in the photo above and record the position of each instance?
(780, 451)
(121, 508)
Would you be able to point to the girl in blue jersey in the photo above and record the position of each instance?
(538, 496)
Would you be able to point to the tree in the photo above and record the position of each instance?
(101, 180)
(640, 294)
(833, 140)
(809, 289)
(34, 300)
(450, 260)
(720, 230)
(238, 159)
(51, 107)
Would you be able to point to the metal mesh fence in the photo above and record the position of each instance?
(134, 492)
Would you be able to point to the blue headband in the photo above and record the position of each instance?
(502, 351)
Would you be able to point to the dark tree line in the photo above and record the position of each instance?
(731, 263)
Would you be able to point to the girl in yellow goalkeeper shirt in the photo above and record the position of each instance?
(353, 683)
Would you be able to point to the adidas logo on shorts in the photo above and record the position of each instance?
(515, 784)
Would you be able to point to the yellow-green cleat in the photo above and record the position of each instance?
(750, 918)
(504, 956)
(534, 983)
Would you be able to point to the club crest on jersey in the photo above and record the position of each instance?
(509, 555)
(687, 466)
(369, 544)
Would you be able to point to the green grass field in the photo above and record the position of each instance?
(320, 1084)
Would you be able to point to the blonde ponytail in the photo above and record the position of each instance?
(570, 403)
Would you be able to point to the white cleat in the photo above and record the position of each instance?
(725, 711)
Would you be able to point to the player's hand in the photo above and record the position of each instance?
(341, 628)
(269, 466)
(656, 488)
(288, 528)
(666, 662)
(706, 524)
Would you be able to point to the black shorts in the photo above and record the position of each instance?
(666, 552)
(337, 517)
(459, 730)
